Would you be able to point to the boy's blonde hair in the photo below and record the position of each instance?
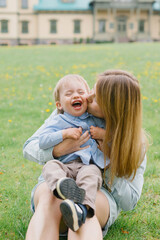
(119, 97)
(66, 79)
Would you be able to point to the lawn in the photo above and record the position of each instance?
(27, 78)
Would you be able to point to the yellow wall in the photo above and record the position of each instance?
(65, 26)
(39, 24)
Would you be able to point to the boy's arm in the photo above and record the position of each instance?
(97, 129)
(51, 137)
(32, 152)
(97, 133)
(73, 133)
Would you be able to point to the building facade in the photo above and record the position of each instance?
(27, 22)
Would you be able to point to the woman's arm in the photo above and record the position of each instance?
(127, 192)
(32, 152)
(70, 145)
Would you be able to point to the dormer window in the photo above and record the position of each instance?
(67, 1)
(24, 4)
(2, 3)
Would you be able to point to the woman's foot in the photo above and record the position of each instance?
(74, 214)
(67, 188)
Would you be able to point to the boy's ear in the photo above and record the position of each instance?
(59, 106)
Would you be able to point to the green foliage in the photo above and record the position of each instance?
(27, 78)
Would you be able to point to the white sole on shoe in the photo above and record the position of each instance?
(68, 189)
(69, 214)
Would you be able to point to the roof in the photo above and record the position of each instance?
(156, 6)
(59, 5)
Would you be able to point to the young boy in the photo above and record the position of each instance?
(75, 177)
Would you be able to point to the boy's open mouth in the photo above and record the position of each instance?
(77, 104)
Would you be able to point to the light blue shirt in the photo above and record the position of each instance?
(126, 192)
(52, 135)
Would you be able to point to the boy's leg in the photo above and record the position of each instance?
(58, 177)
(53, 171)
(89, 177)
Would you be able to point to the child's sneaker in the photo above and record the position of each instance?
(67, 188)
(74, 214)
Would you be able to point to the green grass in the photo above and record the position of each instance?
(27, 78)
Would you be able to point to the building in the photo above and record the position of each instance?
(27, 22)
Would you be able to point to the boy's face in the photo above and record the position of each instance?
(73, 98)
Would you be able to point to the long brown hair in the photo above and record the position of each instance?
(119, 97)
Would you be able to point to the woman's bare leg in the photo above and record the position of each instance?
(45, 222)
(102, 208)
(92, 229)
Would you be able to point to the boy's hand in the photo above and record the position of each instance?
(73, 133)
(70, 145)
(97, 133)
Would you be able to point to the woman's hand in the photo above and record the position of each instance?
(70, 145)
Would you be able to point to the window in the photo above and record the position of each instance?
(53, 26)
(24, 4)
(4, 26)
(141, 26)
(131, 26)
(77, 26)
(2, 3)
(111, 25)
(102, 26)
(24, 26)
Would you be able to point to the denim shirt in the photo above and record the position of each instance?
(51, 135)
(126, 192)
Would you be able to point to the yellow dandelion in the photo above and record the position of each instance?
(47, 110)
(144, 97)
(9, 120)
(74, 66)
(155, 100)
(50, 89)
(50, 103)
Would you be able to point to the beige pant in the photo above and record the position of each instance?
(88, 177)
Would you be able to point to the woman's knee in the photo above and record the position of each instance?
(45, 199)
(102, 208)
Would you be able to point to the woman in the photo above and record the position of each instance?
(119, 102)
